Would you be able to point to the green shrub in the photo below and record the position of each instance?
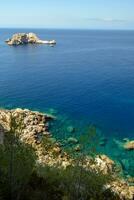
(17, 161)
(21, 179)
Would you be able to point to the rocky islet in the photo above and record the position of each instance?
(27, 38)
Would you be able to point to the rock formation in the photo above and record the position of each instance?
(27, 38)
(129, 145)
(35, 127)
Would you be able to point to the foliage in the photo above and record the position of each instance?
(17, 161)
(21, 179)
(72, 183)
(82, 184)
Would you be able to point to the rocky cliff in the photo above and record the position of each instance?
(35, 127)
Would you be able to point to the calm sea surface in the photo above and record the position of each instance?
(87, 78)
(88, 75)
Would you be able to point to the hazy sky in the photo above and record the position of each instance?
(91, 14)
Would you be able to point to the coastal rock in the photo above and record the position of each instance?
(105, 164)
(54, 155)
(129, 145)
(122, 188)
(118, 186)
(57, 150)
(27, 38)
(130, 179)
(34, 131)
(32, 123)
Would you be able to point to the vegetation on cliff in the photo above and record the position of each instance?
(35, 167)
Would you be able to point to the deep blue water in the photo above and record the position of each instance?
(87, 77)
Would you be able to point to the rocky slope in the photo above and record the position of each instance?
(27, 38)
(35, 127)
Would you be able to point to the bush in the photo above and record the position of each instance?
(17, 162)
(21, 179)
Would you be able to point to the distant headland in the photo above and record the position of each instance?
(27, 38)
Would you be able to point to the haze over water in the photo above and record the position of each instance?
(88, 75)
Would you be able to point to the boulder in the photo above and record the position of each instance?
(121, 188)
(105, 164)
(129, 145)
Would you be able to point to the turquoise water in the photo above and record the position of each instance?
(88, 78)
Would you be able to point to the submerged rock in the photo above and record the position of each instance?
(70, 129)
(53, 111)
(72, 140)
(125, 140)
(27, 38)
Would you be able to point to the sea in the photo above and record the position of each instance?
(86, 79)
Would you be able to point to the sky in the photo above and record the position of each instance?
(70, 14)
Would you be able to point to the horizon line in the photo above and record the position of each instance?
(60, 28)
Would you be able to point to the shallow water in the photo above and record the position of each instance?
(88, 78)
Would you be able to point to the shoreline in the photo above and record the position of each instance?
(35, 126)
(61, 131)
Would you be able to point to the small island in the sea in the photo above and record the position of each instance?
(27, 38)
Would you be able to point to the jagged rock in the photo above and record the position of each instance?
(57, 150)
(29, 135)
(129, 145)
(121, 188)
(105, 164)
(33, 123)
(27, 38)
